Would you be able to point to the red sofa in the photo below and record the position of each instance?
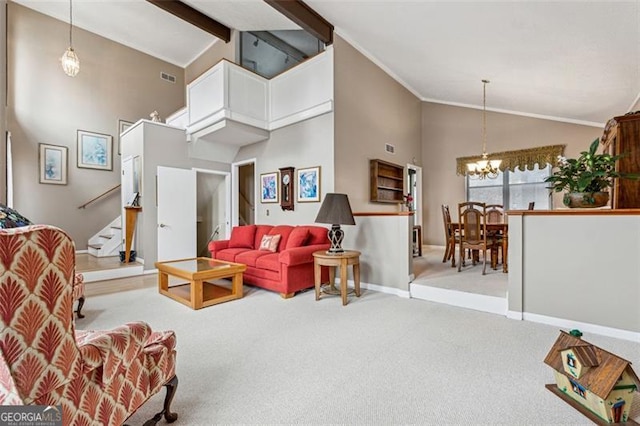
(287, 270)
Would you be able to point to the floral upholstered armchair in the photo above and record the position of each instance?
(98, 377)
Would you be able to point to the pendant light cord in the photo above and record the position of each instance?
(70, 23)
(484, 116)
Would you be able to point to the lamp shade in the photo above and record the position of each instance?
(335, 210)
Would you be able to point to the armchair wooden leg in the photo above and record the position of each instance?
(170, 417)
(80, 305)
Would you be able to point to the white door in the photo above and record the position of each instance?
(177, 237)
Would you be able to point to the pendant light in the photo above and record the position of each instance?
(484, 168)
(69, 60)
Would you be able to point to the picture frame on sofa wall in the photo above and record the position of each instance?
(95, 150)
(53, 164)
(269, 187)
(308, 184)
(122, 126)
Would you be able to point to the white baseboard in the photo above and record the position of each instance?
(383, 289)
(150, 271)
(478, 302)
(82, 251)
(583, 326)
(514, 315)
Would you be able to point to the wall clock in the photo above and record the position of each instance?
(286, 188)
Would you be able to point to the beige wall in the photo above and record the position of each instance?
(219, 50)
(308, 143)
(371, 109)
(449, 132)
(46, 106)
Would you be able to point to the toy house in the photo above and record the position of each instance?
(599, 384)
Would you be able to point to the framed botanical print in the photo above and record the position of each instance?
(53, 164)
(95, 150)
(308, 184)
(269, 187)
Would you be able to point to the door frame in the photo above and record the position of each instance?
(417, 219)
(235, 188)
(227, 188)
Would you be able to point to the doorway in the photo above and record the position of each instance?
(211, 210)
(243, 188)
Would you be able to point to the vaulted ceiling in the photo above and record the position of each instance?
(576, 61)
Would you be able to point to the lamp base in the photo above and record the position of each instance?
(336, 235)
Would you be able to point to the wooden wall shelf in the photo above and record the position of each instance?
(387, 182)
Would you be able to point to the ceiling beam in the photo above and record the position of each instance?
(194, 17)
(307, 18)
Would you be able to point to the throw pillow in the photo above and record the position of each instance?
(242, 236)
(297, 237)
(270, 243)
(9, 218)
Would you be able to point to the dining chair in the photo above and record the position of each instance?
(473, 219)
(452, 237)
(495, 214)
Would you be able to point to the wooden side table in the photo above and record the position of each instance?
(343, 260)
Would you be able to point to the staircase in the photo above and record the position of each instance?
(108, 241)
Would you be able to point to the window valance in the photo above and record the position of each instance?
(524, 158)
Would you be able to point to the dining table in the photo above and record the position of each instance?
(502, 228)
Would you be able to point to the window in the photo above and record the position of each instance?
(269, 53)
(515, 189)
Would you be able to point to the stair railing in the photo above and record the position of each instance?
(104, 194)
(245, 205)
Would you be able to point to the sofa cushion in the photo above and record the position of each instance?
(249, 257)
(284, 231)
(230, 254)
(298, 237)
(242, 236)
(317, 235)
(261, 231)
(9, 218)
(270, 243)
(269, 262)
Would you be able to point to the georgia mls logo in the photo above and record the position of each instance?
(31, 415)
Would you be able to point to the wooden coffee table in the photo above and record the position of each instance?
(198, 292)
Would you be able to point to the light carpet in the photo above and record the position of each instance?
(381, 359)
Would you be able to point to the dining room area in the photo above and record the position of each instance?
(470, 269)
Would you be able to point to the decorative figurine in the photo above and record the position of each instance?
(155, 117)
(595, 382)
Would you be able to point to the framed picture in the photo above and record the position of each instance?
(308, 184)
(53, 164)
(269, 187)
(95, 150)
(122, 126)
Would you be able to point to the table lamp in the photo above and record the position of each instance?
(335, 210)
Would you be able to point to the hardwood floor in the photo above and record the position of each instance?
(86, 263)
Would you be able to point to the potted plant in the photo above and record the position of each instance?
(586, 178)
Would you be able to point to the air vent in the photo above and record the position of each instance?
(168, 77)
(391, 149)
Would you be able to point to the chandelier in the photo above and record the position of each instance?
(69, 60)
(484, 168)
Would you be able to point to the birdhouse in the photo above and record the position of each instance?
(597, 383)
